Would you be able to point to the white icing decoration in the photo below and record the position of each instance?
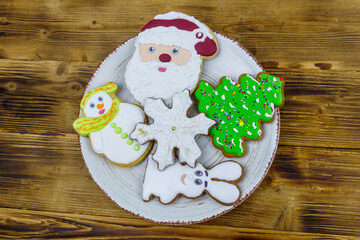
(207, 107)
(268, 115)
(274, 79)
(257, 100)
(258, 113)
(223, 97)
(232, 141)
(232, 106)
(253, 124)
(180, 179)
(240, 145)
(217, 140)
(259, 132)
(113, 146)
(248, 92)
(216, 93)
(273, 110)
(206, 84)
(222, 122)
(249, 133)
(226, 88)
(275, 96)
(245, 107)
(235, 130)
(254, 87)
(173, 129)
(269, 89)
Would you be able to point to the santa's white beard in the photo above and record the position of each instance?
(144, 80)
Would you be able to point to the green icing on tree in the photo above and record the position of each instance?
(238, 108)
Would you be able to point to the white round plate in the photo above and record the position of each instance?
(124, 184)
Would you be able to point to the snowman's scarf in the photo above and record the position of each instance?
(86, 125)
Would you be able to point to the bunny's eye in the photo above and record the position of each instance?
(198, 181)
(198, 173)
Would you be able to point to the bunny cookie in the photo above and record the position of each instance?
(219, 182)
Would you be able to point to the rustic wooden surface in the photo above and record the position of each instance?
(48, 51)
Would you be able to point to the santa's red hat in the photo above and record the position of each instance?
(181, 30)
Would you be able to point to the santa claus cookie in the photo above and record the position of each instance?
(239, 108)
(219, 182)
(108, 122)
(172, 129)
(168, 56)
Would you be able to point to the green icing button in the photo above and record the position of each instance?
(118, 130)
(130, 141)
(113, 125)
(136, 147)
(123, 135)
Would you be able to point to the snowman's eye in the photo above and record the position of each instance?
(198, 173)
(175, 51)
(151, 49)
(100, 99)
(92, 105)
(198, 181)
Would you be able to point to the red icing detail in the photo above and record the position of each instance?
(281, 79)
(199, 35)
(102, 111)
(207, 48)
(165, 57)
(181, 24)
(161, 69)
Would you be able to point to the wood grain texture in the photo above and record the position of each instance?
(48, 52)
(303, 191)
(36, 224)
(314, 32)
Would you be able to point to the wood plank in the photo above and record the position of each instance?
(308, 189)
(320, 105)
(16, 223)
(286, 34)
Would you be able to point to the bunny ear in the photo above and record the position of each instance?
(223, 192)
(226, 171)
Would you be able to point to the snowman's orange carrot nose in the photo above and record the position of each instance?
(100, 106)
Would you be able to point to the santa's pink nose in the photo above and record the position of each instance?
(165, 57)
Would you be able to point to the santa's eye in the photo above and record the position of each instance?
(92, 105)
(198, 181)
(151, 49)
(175, 51)
(100, 99)
(198, 173)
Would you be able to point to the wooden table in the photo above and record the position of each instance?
(49, 50)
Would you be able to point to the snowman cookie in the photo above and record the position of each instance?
(108, 122)
(219, 182)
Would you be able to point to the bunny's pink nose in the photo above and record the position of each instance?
(165, 57)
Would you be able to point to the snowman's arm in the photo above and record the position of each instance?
(97, 141)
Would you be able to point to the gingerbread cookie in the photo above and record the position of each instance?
(239, 108)
(219, 182)
(168, 56)
(108, 122)
(173, 129)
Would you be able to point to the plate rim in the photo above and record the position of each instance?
(214, 216)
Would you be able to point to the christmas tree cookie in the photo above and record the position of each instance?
(239, 108)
